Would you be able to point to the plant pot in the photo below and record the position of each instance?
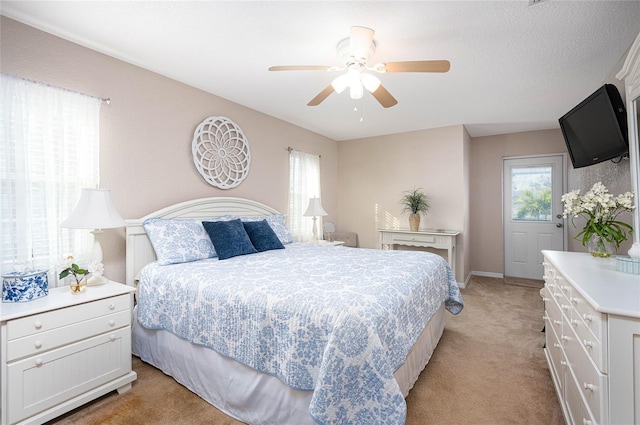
(600, 247)
(78, 287)
(414, 222)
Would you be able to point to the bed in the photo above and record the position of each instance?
(298, 334)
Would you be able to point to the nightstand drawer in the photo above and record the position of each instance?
(39, 323)
(44, 341)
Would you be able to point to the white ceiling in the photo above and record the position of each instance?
(514, 67)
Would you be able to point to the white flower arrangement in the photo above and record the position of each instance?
(600, 209)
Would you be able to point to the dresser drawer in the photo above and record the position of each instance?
(50, 320)
(578, 411)
(553, 313)
(592, 319)
(592, 384)
(555, 354)
(44, 341)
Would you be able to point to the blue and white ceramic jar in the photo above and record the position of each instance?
(24, 286)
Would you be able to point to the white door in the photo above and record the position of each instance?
(532, 216)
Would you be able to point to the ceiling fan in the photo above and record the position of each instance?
(354, 52)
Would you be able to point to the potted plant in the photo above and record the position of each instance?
(415, 202)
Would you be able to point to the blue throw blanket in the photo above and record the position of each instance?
(336, 321)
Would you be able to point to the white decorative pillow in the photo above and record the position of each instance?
(277, 223)
(178, 241)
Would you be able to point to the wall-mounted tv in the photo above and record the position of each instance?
(596, 129)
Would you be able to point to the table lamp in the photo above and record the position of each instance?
(314, 210)
(95, 210)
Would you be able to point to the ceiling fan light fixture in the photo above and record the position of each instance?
(340, 83)
(370, 82)
(356, 91)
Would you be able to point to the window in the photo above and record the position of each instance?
(48, 152)
(304, 183)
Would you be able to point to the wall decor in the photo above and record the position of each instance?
(221, 152)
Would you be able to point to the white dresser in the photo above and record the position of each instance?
(592, 323)
(63, 350)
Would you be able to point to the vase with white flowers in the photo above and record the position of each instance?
(79, 275)
(603, 232)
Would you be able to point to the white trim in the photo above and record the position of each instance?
(487, 274)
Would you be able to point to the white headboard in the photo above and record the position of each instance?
(139, 249)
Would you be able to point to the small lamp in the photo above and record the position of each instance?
(314, 210)
(95, 210)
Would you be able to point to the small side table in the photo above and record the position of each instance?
(88, 333)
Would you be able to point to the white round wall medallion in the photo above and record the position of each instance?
(221, 152)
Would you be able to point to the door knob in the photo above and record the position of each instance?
(558, 224)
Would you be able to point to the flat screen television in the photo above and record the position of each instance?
(596, 129)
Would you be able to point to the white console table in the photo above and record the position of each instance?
(437, 239)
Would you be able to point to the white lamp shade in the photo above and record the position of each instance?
(95, 210)
(315, 208)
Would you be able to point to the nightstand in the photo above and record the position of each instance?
(64, 350)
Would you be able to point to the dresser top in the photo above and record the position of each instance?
(605, 288)
(62, 297)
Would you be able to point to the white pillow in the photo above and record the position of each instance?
(178, 241)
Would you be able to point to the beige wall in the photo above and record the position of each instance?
(487, 153)
(145, 155)
(373, 172)
(146, 132)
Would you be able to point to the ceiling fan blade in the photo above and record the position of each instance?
(321, 96)
(299, 68)
(384, 97)
(360, 39)
(418, 66)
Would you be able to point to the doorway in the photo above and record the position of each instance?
(532, 212)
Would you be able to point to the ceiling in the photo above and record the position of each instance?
(514, 66)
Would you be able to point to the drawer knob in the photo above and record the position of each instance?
(38, 362)
(556, 345)
(38, 344)
(575, 322)
(589, 387)
(38, 325)
(586, 422)
(587, 317)
(588, 343)
(573, 300)
(565, 307)
(112, 323)
(563, 363)
(111, 306)
(557, 322)
(112, 337)
(564, 338)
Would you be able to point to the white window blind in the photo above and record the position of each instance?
(304, 183)
(49, 151)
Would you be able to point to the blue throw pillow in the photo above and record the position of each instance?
(229, 238)
(262, 235)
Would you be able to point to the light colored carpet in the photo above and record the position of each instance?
(488, 368)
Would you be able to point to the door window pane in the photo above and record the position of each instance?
(531, 194)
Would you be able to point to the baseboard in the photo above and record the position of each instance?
(487, 274)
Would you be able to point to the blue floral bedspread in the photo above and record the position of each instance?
(336, 321)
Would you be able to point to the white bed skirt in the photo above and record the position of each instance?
(245, 394)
